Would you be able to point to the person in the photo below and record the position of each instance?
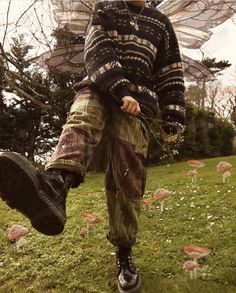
(133, 68)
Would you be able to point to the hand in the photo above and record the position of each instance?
(130, 105)
(171, 138)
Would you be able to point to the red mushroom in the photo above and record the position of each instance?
(196, 251)
(161, 195)
(193, 174)
(89, 218)
(84, 231)
(15, 234)
(94, 223)
(191, 266)
(223, 168)
(149, 201)
(196, 164)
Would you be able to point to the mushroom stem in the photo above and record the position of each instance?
(195, 260)
(162, 206)
(223, 177)
(20, 243)
(191, 274)
(87, 229)
(226, 176)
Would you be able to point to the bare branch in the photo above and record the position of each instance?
(25, 12)
(7, 21)
(27, 96)
(24, 81)
(42, 31)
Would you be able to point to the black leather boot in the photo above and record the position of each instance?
(128, 278)
(37, 194)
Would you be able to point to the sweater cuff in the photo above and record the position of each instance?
(122, 91)
(173, 126)
(173, 121)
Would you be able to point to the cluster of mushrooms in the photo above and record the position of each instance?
(222, 167)
(195, 252)
(16, 233)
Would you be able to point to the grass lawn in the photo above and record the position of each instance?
(203, 213)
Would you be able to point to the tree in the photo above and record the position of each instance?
(202, 93)
(33, 107)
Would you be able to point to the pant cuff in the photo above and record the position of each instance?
(119, 242)
(69, 165)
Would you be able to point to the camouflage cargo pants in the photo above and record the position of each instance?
(126, 173)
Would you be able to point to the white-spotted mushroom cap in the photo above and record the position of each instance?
(192, 173)
(89, 217)
(15, 232)
(190, 265)
(95, 222)
(161, 194)
(196, 163)
(148, 200)
(223, 166)
(196, 251)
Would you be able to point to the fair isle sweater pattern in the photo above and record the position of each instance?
(145, 64)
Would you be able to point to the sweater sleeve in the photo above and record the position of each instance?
(169, 81)
(101, 62)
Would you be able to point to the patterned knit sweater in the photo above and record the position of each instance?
(144, 64)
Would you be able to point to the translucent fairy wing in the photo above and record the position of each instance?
(194, 71)
(193, 19)
(72, 16)
(66, 60)
(172, 7)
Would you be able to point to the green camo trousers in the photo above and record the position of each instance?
(126, 173)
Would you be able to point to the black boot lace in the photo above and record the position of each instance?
(126, 263)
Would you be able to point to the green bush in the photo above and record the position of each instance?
(205, 136)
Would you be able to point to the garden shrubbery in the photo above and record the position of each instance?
(206, 135)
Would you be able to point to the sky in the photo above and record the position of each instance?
(221, 45)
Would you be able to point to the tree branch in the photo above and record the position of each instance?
(24, 81)
(7, 21)
(4, 54)
(31, 5)
(27, 96)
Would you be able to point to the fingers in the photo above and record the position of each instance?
(131, 106)
(125, 105)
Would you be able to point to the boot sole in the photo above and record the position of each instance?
(136, 289)
(21, 190)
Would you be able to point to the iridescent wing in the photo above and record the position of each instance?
(64, 59)
(192, 20)
(72, 17)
